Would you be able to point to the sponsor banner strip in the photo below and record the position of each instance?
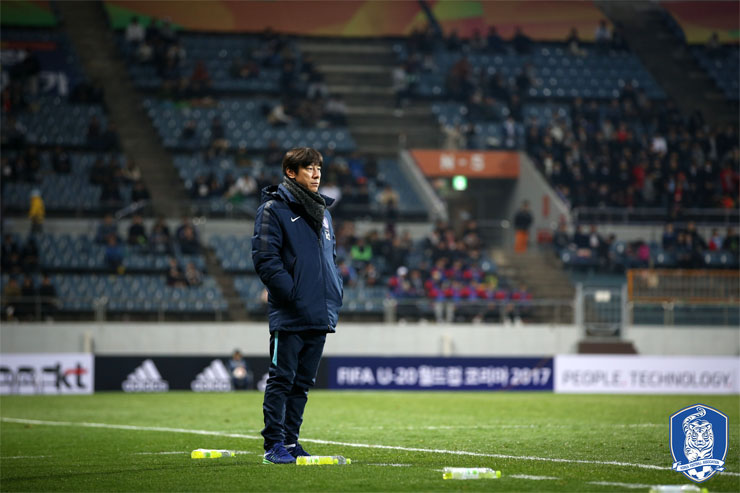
(46, 373)
(627, 374)
(440, 373)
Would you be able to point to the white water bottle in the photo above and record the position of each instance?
(322, 460)
(470, 473)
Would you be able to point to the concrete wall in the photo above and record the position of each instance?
(354, 339)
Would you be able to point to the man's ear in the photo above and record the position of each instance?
(290, 174)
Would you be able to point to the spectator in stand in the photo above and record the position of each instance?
(361, 252)
(619, 42)
(36, 211)
(713, 46)
(139, 192)
(595, 241)
(136, 232)
(459, 83)
(159, 238)
(48, 295)
(580, 239)
(389, 201)
(522, 223)
(219, 144)
(603, 36)
(241, 376)
(30, 254)
(188, 241)
(522, 43)
(11, 299)
(105, 229)
(200, 80)
(131, 172)
(114, 254)
(670, 239)
(245, 186)
(348, 273)
(317, 88)
(28, 306)
(193, 277)
(561, 238)
(494, 42)
(454, 137)
(574, 43)
(11, 254)
(715, 241)
(134, 33)
(175, 276)
(731, 242)
(335, 111)
(278, 115)
(110, 193)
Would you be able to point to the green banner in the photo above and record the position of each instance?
(27, 13)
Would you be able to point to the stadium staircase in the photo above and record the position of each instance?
(669, 60)
(360, 71)
(544, 278)
(87, 27)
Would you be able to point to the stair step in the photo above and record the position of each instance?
(374, 90)
(354, 69)
(345, 48)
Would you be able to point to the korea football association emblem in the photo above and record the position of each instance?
(698, 442)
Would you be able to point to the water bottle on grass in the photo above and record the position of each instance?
(322, 460)
(470, 473)
(204, 453)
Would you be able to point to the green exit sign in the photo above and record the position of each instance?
(459, 183)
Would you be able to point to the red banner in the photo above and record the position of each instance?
(700, 19)
(488, 164)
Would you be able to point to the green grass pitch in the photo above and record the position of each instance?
(600, 443)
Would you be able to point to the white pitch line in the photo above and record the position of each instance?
(345, 444)
(390, 465)
(504, 427)
(26, 457)
(160, 453)
(534, 478)
(623, 485)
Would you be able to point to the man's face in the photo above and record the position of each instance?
(309, 177)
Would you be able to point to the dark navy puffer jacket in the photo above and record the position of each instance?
(297, 263)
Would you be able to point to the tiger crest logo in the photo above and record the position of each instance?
(698, 438)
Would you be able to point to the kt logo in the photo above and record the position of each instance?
(60, 376)
(22, 379)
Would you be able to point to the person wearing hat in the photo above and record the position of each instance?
(36, 211)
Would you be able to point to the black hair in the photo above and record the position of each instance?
(301, 157)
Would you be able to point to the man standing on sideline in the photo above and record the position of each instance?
(522, 223)
(294, 253)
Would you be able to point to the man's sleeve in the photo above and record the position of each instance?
(267, 243)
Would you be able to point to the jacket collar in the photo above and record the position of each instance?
(279, 192)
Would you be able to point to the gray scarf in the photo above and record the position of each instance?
(314, 203)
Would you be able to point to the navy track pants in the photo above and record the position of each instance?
(295, 358)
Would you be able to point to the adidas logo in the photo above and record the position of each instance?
(145, 378)
(214, 378)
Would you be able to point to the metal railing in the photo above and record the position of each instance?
(655, 215)
(101, 309)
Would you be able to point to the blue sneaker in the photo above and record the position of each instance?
(297, 451)
(278, 455)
